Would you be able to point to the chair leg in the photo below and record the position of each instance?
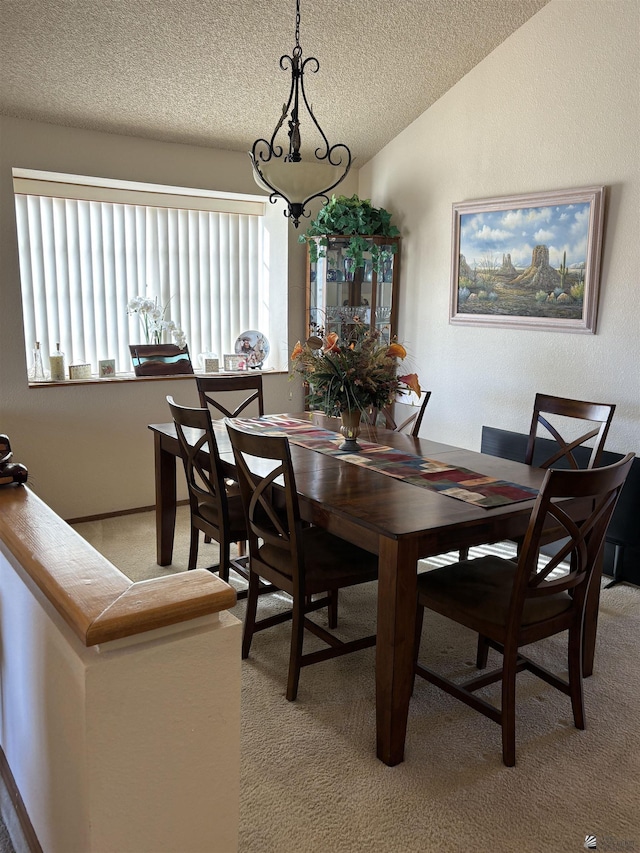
(482, 653)
(297, 637)
(193, 548)
(464, 554)
(207, 539)
(509, 707)
(333, 608)
(575, 677)
(225, 558)
(416, 643)
(618, 554)
(250, 614)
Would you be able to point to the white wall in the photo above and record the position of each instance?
(120, 747)
(555, 106)
(87, 447)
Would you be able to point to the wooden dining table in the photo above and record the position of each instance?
(400, 522)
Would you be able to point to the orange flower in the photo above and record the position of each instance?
(396, 350)
(331, 343)
(297, 350)
(412, 382)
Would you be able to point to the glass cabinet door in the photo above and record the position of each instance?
(339, 294)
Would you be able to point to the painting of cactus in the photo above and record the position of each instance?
(529, 261)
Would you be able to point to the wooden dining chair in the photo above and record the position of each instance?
(384, 417)
(221, 394)
(231, 396)
(301, 560)
(512, 603)
(216, 510)
(598, 416)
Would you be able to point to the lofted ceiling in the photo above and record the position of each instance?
(204, 72)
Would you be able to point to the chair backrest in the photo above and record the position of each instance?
(202, 465)
(386, 415)
(599, 414)
(600, 487)
(270, 500)
(210, 389)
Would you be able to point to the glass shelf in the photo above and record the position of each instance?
(339, 294)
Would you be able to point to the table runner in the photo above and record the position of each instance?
(452, 481)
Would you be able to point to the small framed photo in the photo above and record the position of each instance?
(234, 362)
(106, 368)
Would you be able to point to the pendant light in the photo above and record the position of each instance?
(295, 177)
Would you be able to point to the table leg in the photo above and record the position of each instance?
(397, 589)
(165, 473)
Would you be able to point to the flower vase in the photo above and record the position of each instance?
(350, 429)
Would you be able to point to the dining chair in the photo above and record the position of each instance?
(212, 390)
(216, 509)
(301, 560)
(512, 603)
(385, 416)
(598, 416)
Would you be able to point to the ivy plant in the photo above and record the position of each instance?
(354, 217)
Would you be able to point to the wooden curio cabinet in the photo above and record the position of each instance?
(338, 292)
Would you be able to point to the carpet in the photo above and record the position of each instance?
(311, 782)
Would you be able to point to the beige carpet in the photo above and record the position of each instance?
(310, 779)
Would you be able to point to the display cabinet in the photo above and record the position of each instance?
(338, 291)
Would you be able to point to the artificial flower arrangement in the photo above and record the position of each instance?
(152, 321)
(358, 373)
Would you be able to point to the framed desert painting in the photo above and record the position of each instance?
(528, 261)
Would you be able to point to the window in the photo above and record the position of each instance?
(216, 263)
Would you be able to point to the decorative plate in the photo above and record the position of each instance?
(254, 347)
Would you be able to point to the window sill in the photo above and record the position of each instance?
(131, 377)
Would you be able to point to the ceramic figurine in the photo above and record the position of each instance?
(10, 472)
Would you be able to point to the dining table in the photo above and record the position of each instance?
(397, 520)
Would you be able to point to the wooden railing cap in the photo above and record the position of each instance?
(96, 600)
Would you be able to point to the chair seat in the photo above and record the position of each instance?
(481, 590)
(237, 523)
(322, 572)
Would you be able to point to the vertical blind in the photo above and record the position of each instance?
(81, 261)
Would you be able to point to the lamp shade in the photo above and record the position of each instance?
(297, 182)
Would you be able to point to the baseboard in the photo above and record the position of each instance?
(14, 812)
(116, 513)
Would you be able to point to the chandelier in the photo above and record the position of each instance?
(289, 176)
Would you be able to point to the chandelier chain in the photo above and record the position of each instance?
(298, 23)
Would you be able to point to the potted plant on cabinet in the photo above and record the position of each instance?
(356, 218)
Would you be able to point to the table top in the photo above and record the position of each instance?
(343, 497)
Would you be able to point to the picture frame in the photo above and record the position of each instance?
(80, 371)
(160, 359)
(107, 368)
(528, 261)
(233, 362)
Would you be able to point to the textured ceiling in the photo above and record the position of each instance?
(207, 73)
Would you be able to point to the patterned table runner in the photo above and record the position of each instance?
(459, 483)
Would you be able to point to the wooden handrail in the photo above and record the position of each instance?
(96, 600)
